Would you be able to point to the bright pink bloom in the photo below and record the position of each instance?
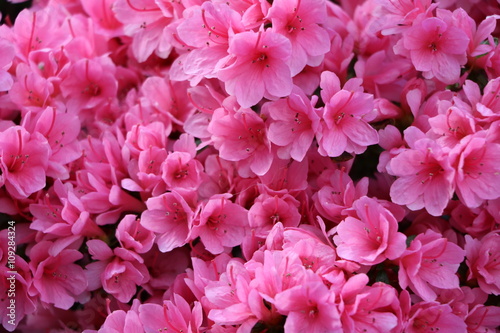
(257, 67)
(430, 261)
(220, 224)
(426, 317)
(241, 136)
(344, 127)
(450, 128)
(299, 22)
(133, 236)
(294, 124)
(181, 170)
(337, 194)
(426, 178)
(477, 170)
(268, 210)
(484, 262)
(437, 48)
(23, 161)
(89, 83)
(61, 130)
(145, 21)
(371, 308)
(372, 237)
(170, 217)
(60, 212)
(117, 271)
(309, 307)
(56, 278)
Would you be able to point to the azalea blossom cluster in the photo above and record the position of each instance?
(252, 166)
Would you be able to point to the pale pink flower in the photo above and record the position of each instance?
(257, 67)
(221, 223)
(483, 262)
(24, 160)
(430, 261)
(372, 237)
(241, 136)
(450, 128)
(437, 47)
(56, 278)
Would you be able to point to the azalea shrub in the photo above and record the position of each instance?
(250, 166)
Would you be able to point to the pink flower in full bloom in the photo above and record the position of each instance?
(344, 119)
(56, 278)
(294, 124)
(221, 223)
(426, 170)
(170, 217)
(426, 317)
(257, 67)
(241, 136)
(430, 262)
(24, 160)
(180, 169)
(299, 22)
(372, 237)
(437, 48)
(309, 307)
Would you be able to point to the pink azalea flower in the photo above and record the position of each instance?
(299, 22)
(371, 308)
(221, 223)
(337, 194)
(257, 67)
(23, 161)
(89, 83)
(56, 278)
(145, 22)
(430, 261)
(241, 136)
(433, 317)
(294, 124)
(372, 237)
(176, 315)
(61, 131)
(343, 125)
(181, 170)
(450, 128)
(117, 271)
(426, 170)
(482, 261)
(309, 307)
(170, 217)
(478, 173)
(437, 47)
(133, 236)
